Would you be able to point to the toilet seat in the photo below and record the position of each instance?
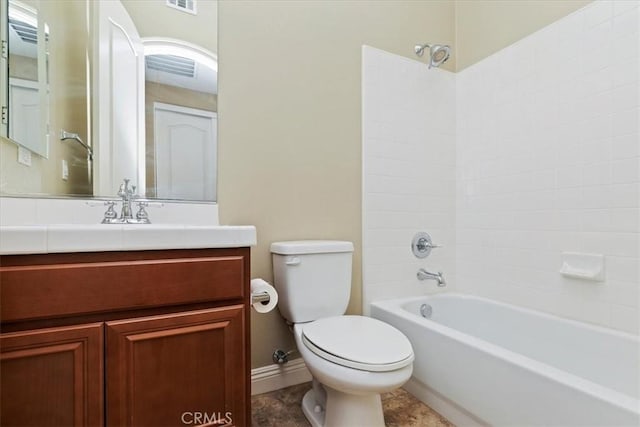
(358, 342)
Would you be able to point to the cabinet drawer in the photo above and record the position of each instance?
(59, 289)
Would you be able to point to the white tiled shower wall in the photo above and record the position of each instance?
(547, 161)
(546, 149)
(408, 173)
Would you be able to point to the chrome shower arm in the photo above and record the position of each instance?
(64, 135)
(419, 48)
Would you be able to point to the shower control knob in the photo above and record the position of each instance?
(421, 245)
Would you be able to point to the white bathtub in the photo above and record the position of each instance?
(479, 361)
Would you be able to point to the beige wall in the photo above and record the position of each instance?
(486, 26)
(290, 148)
(289, 109)
(16, 178)
(68, 46)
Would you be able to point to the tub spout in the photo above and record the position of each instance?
(425, 275)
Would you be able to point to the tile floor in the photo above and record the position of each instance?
(281, 408)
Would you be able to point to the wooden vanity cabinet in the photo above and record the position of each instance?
(147, 338)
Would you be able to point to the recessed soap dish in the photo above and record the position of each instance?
(583, 266)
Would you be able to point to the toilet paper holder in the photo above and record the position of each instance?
(262, 297)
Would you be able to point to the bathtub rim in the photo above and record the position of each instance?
(540, 313)
(595, 390)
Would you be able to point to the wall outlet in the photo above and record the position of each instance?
(24, 156)
(65, 170)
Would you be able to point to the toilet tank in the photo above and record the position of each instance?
(312, 277)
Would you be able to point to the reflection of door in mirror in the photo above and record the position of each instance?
(24, 103)
(184, 150)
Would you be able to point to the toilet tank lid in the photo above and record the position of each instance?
(300, 247)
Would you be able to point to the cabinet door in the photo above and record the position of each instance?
(52, 377)
(177, 369)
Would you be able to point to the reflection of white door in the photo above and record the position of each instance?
(185, 152)
(24, 107)
(118, 99)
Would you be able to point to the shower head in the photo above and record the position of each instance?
(438, 53)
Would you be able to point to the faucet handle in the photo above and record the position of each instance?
(142, 215)
(424, 243)
(421, 245)
(110, 215)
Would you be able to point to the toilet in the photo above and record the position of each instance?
(353, 359)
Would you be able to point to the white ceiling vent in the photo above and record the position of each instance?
(171, 64)
(28, 33)
(188, 6)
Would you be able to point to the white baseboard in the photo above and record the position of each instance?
(275, 377)
(452, 412)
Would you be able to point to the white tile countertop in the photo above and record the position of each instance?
(32, 239)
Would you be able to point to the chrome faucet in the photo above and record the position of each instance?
(425, 275)
(126, 214)
(127, 194)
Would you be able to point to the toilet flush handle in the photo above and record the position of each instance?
(292, 261)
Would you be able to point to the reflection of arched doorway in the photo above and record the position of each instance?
(181, 120)
(117, 99)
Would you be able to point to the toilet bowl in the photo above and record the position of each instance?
(348, 395)
(353, 359)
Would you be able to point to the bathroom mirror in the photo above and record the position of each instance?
(98, 125)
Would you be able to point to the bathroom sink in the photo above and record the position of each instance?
(94, 238)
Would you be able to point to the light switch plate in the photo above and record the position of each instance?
(24, 156)
(65, 170)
